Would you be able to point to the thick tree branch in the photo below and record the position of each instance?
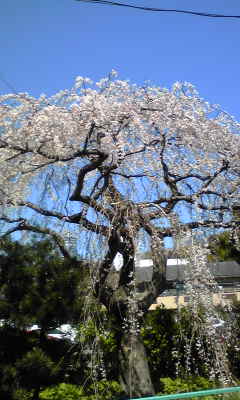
(46, 155)
(171, 202)
(73, 219)
(172, 231)
(76, 196)
(90, 200)
(133, 176)
(224, 167)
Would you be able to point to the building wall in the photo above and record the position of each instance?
(173, 302)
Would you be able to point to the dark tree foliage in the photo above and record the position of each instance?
(37, 286)
(159, 335)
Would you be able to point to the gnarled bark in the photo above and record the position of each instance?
(133, 365)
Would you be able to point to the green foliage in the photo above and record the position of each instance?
(36, 369)
(234, 348)
(222, 248)
(191, 384)
(102, 390)
(63, 391)
(38, 286)
(22, 394)
(92, 329)
(100, 333)
(13, 344)
(170, 386)
(7, 380)
(232, 396)
(158, 336)
(105, 390)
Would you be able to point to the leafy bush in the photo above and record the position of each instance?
(103, 390)
(170, 386)
(191, 384)
(232, 396)
(63, 391)
(22, 394)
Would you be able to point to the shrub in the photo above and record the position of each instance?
(22, 394)
(36, 369)
(102, 390)
(105, 390)
(191, 384)
(63, 391)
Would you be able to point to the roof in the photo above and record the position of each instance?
(175, 272)
(225, 269)
(176, 261)
(144, 274)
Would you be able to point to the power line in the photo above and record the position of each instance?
(11, 87)
(153, 9)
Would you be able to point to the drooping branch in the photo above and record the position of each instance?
(106, 264)
(25, 226)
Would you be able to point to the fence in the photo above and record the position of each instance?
(187, 395)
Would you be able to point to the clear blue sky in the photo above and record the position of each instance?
(46, 43)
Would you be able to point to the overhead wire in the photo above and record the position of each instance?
(7, 84)
(154, 9)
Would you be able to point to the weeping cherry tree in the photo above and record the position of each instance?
(113, 164)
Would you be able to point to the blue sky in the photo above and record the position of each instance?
(46, 44)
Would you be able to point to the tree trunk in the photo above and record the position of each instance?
(36, 393)
(134, 370)
(125, 296)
